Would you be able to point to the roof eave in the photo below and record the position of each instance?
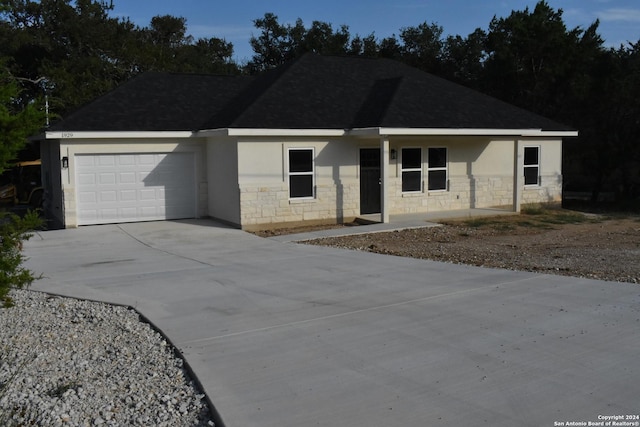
(272, 132)
(359, 132)
(384, 131)
(117, 134)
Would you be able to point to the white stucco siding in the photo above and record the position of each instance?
(550, 172)
(551, 157)
(222, 172)
(263, 171)
(480, 173)
(82, 149)
(490, 157)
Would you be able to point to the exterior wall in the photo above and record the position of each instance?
(71, 147)
(550, 188)
(480, 174)
(264, 182)
(53, 202)
(245, 181)
(222, 173)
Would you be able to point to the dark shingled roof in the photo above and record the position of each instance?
(312, 92)
(156, 101)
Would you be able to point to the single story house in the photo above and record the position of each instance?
(320, 139)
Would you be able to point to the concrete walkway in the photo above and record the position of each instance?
(397, 222)
(283, 334)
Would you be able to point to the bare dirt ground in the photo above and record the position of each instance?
(546, 241)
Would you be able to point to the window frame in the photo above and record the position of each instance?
(526, 166)
(311, 172)
(404, 170)
(444, 168)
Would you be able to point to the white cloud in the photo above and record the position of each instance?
(619, 14)
(578, 15)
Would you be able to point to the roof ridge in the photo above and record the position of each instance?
(376, 104)
(248, 96)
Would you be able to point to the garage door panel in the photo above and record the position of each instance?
(127, 177)
(107, 178)
(106, 160)
(87, 197)
(135, 187)
(125, 160)
(84, 161)
(86, 179)
(128, 195)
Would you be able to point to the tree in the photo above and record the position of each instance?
(532, 59)
(279, 43)
(608, 152)
(390, 48)
(422, 46)
(463, 58)
(270, 46)
(79, 49)
(13, 231)
(16, 122)
(364, 46)
(84, 52)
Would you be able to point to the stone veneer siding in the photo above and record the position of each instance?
(473, 192)
(464, 192)
(271, 205)
(549, 190)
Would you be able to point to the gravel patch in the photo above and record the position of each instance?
(68, 362)
(593, 247)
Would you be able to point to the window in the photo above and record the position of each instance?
(437, 169)
(531, 165)
(411, 170)
(301, 173)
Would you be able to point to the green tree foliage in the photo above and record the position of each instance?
(462, 58)
(13, 231)
(83, 52)
(279, 43)
(422, 46)
(532, 59)
(607, 154)
(17, 122)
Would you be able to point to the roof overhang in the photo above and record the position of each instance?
(359, 132)
(272, 132)
(118, 135)
(382, 131)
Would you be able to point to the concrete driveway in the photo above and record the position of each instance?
(282, 334)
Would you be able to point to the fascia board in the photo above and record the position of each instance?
(459, 132)
(272, 132)
(118, 135)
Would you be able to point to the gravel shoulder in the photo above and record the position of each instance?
(67, 362)
(555, 241)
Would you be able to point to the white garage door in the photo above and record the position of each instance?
(115, 188)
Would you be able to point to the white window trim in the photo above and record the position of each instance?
(312, 173)
(537, 166)
(420, 169)
(434, 169)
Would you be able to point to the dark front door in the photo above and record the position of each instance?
(369, 180)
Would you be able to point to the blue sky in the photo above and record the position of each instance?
(233, 20)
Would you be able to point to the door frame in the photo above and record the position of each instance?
(370, 182)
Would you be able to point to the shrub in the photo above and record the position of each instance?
(14, 230)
